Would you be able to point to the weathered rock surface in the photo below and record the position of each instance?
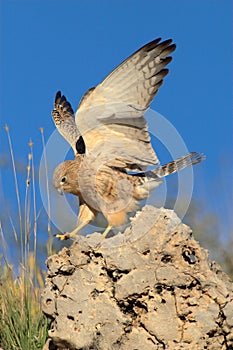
(151, 288)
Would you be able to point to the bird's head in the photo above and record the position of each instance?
(65, 177)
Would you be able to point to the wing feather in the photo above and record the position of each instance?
(64, 119)
(111, 117)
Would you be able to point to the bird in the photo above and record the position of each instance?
(111, 142)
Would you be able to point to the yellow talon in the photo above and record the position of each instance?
(63, 237)
(72, 234)
(67, 235)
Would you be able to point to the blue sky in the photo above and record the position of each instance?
(72, 45)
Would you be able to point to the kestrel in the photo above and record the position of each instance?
(110, 139)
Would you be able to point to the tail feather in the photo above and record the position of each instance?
(176, 165)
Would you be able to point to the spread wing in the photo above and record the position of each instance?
(63, 116)
(111, 116)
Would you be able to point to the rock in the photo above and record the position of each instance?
(150, 288)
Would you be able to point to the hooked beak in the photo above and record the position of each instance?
(60, 190)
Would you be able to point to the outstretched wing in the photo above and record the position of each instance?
(63, 116)
(111, 117)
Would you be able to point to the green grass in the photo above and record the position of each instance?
(22, 323)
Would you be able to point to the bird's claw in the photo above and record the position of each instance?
(63, 237)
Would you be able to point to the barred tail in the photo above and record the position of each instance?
(176, 165)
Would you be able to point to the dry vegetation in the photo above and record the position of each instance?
(23, 325)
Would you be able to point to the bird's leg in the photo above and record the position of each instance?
(71, 234)
(85, 216)
(104, 234)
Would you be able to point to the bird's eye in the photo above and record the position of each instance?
(63, 180)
